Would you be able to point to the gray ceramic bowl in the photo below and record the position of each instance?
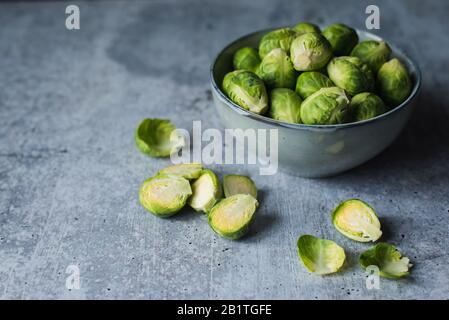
(316, 150)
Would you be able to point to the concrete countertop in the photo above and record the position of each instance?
(70, 171)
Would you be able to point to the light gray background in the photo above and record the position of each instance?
(70, 172)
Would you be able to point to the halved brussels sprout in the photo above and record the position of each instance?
(394, 82)
(246, 58)
(366, 105)
(341, 37)
(320, 256)
(164, 195)
(231, 217)
(154, 137)
(276, 70)
(206, 191)
(247, 90)
(237, 184)
(351, 74)
(285, 105)
(280, 38)
(373, 53)
(356, 220)
(310, 82)
(326, 106)
(185, 170)
(388, 259)
(305, 27)
(310, 51)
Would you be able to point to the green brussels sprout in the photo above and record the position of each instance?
(366, 105)
(157, 138)
(237, 184)
(394, 82)
(310, 51)
(280, 38)
(351, 74)
(373, 53)
(164, 195)
(206, 191)
(231, 217)
(320, 256)
(326, 106)
(341, 37)
(310, 82)
(285, 105)
(388, 259)
(247, 90)
(187, 170)
(246, 58)
(276, 70)
(305, 27)
(356, 220)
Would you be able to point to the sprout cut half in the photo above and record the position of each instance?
(320, 256)
(206, 191)
(237, 184)
(356, 220)
(231, 217)
(164, 195)
(388, 259)
(185, 170)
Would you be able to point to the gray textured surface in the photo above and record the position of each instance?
(69, 170)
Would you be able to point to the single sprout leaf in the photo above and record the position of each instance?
(231, 217)
(206, 191)
(388, 259)
(237, 184)
(356, 220)
(187, 170)
(164, 195)
(158, 138)
(320, 256)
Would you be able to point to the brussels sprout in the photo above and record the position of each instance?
(341, 37)
(351, 74)
(246, 59)
(237, 184)
(154, 137)
(164, 195)
(388, 259)
(247, 90)
(285, 105)
(231, 217)
(206, 191)
(326, 106)
(310, 82)
(366, 105)
(356, 220)
(320, 256)
(373, 53)
(276, 70)
(280, 38)
(394, 82)
(187, 170)
(310, 51)
(305, 27)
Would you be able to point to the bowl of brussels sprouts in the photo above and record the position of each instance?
(337, 96)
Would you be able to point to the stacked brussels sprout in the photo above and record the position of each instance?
(305, 75)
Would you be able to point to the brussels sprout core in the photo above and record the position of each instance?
(366, 105)
(310, 82)
(231, 217)
(388, 259)
(206, 191)
(164, 195)
(236, 184)
(310, 51)
(280, 38)
(276, 70)
(341, 37)
(187, 170)
(394, 82)
(246, 59)
(356, 220)
(320, 256)
(285, 105)
(373, 53)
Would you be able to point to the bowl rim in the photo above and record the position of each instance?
(235, 107)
